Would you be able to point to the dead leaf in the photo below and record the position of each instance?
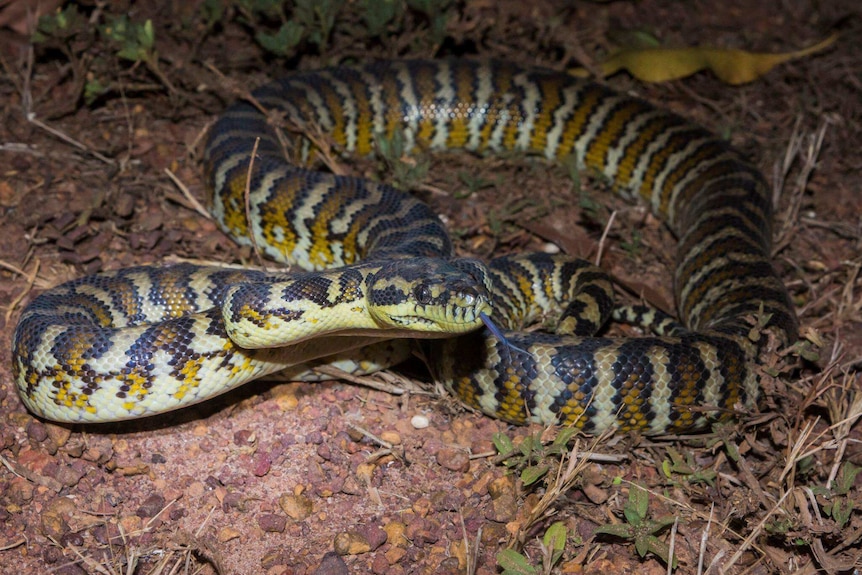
(731, 66)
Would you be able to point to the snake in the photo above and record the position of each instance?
(140, 341)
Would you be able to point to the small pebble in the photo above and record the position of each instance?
(374, 534)
(395, 533)
(453, 459)
(392, 437)
(244, 437)
(19, 491)
(262, 463)
(227, 533)
(274, 557)
(272, 523)
(37, 431)
(332, 564)
(297, 507)
(70, 475)
(233, 500)
(151, 506)
(380, 565)
(419, 422)
(395, 555)
(421, 506)
(53, 525)
(351, 543)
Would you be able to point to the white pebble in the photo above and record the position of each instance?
(419, 422)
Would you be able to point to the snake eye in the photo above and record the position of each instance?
(422, 293)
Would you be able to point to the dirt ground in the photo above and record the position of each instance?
(294, 478)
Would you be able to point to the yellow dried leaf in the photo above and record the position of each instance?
(731, 66)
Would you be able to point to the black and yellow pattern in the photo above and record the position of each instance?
(712, 199)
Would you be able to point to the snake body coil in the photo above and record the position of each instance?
(715, 202)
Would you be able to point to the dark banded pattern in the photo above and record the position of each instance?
(714, 201)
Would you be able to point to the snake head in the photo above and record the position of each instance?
(429, 297)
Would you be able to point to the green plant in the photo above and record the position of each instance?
(67, 31)
(530, 456)
(685, 466)
(62, 25)
(310, 21)
(404, 171)
(551, 547)
(474, 183)
(591, 209)
(511, 211)
(639, 529)
(379, 14)
(838, 501)
(633, 246)
(136, 42)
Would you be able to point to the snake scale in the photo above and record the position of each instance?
(131, 343)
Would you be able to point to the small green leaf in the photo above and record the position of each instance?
(503, 443)
(555, 539)
(822, 491)
(131, 52)
(679, 465)
(533, 473)
(632, 515)
(662, 522)
(732, 450)
(639, 500)
(61, 24)
(513, 563)
(642, 545)
(666, 468)
(632, 247)
(563, 436)
(621, 530)
(846, 478)
(62, 20)
(660, 549)
(841, 513)
(526, 446)
(284, 41)
(146, 35)
(92, 90)
(570, 163)
(379, 13)
(592, 209)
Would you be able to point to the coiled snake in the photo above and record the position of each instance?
(145, 340)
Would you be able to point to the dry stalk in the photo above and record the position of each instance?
(755, 533)
(604, 237)
(807, 148)
(567, 474)
(247, 198)
(187, 194)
